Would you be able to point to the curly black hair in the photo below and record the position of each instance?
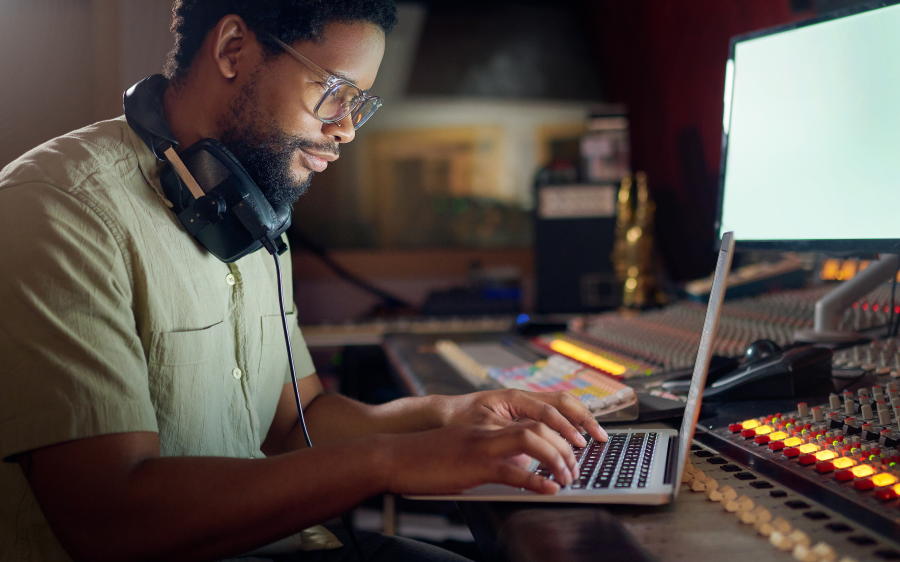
(289, 20)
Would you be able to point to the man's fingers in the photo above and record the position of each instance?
(576, 416)
(560, 411)
(520, 478)
(538, 442)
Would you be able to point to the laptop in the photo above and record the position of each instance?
(636, 466)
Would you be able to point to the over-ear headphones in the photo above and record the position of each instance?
(211, 192)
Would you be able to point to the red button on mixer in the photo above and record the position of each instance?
(886, 494)
(807, 459)
(736, 428)
(791, 452)
(825, 466)
(762, 439)
(844, 475)
(776, 445)
(748, 433)
(864, 484)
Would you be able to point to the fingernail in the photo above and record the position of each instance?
(603, 433)
(581, 441)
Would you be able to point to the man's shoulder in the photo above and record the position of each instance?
(67, 161)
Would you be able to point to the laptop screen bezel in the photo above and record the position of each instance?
(704, 354)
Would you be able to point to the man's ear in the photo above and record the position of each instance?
(231, 41)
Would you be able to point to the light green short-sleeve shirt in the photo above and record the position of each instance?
(114, 320)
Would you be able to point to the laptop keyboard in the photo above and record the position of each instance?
(622, 462)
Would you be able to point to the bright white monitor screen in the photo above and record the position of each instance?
(812, 125)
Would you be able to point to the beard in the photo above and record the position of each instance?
(266, 151)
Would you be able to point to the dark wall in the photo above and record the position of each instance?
(665, 59)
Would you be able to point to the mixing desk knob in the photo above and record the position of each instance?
(824, 552)
(817, 414)
(884, 416)
(863, 400)
(866, 412)
(803, 409)
(781, 541)
(862, 392)
(834, 402)
(849, 407)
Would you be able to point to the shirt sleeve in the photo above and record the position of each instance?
(71, 361)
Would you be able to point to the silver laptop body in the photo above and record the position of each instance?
(636, 466)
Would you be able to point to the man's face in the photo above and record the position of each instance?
(271, 126)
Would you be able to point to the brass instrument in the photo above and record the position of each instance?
(633, 248)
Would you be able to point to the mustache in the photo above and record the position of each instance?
(294, 144)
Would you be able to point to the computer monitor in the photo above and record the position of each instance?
(811, 146)
(811, 135)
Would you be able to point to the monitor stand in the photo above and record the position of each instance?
(831, 307)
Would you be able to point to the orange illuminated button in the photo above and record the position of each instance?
(825, 466)
(807, 459)
(844, 462)
(825, 455)
(884, 479)
(791, 452)
(862, 470)
(751, 424)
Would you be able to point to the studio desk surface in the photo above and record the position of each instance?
(692, 528)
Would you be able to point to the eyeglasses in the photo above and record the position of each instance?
(341, 97)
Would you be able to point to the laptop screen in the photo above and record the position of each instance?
(704, 354)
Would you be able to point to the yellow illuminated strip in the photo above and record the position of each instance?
(792, 442)
(822, 455)
(883, 479)
(763, 430)
(587, 357)
(843, 462)
(778, 436)
(750, 424)
(808, 448)
(862, 470)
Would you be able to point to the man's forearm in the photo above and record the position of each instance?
(332, 418)
(186, 508)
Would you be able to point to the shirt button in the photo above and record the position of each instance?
(229, 279)
(236, 373)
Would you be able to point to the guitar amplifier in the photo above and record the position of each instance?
(574, 232)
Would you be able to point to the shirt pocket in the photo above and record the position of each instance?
(193, 388)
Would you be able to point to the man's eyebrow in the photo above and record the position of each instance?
(343, 76)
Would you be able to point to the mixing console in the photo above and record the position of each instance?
(665, 340)
(795, 526)
(843, 452)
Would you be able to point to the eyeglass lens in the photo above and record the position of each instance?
(341, 100)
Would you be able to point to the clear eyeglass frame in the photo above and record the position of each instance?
(341, 97)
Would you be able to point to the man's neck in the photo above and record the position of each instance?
(191, 111)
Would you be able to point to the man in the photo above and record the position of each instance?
(145, 412)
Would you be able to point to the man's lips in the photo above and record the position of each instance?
(317, 162)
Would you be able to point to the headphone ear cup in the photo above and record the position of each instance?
(232, 217)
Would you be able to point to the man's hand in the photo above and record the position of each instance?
(504, 408)
(453, 459)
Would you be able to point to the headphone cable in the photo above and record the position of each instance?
(287, 341)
